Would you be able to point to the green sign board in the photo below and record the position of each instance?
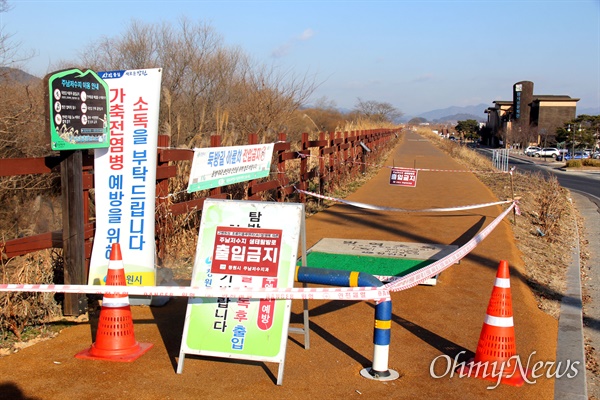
(79, 110)
(242, 244)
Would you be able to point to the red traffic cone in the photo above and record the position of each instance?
(115, 340)
(497, 340)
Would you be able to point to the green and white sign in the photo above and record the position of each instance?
(246, 245)
(219, 166)
(78, 107)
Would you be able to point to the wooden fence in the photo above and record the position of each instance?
(335, 157)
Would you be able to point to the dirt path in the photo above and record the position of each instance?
(428, 323)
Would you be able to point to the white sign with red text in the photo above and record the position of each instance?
(403, 177)
(242, 244)
(125, 177)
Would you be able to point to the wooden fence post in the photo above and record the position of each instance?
(164, 225)
(71, 174)
(332, 155)
(215, 141)
(281, 176)
(322, 177)
(252, 139)
(304, 167)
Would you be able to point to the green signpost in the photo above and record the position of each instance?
(79, 110)
(78, 118)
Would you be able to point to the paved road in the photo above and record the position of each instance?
(585, 182)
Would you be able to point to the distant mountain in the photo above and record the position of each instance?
(588, 111)
(16, 75)
(471, 112)
(456, 114)
(460, 117)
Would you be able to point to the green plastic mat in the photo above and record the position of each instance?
(371, 265)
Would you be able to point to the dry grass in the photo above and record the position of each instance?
(19, 310)
(545, 230)
(584, 163)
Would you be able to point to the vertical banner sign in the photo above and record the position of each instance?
(403, 177)
(125, 177)
(242, 244)
(78, 105)
(219, 166)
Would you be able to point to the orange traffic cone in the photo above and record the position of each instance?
(497, 340)
(115, 340)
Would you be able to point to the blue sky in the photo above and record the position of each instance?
(416, 55)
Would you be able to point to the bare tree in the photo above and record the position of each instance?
(323, 116)
(207, 87)
(377, 111)
(264, 100)
(7, 48)
(21, 103)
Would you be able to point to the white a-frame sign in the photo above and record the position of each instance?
(243, 244)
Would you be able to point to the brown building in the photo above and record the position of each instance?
(529, 118)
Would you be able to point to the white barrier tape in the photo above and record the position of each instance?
(421, 275)
(499, 322)
(502, 283)
(380, 208)
(341, 293)
(450, 170)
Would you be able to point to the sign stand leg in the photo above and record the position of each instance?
(280, 374)
(180, 362)
(305, 316)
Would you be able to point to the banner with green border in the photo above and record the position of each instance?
(242, 244)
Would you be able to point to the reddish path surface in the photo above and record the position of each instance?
(427, 321)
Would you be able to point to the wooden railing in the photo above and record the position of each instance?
(334, 157)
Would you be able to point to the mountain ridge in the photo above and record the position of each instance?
(453, 113)
(476, 112)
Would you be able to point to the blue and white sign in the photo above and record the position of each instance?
(125, 177)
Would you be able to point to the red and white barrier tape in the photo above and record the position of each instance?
(380, 208)
(453, 170)
(417, 277)
(338, 293)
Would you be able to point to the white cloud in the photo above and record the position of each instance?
(287, 47)
(423, 78)
(307, 34)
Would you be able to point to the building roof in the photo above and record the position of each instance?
(553, 98)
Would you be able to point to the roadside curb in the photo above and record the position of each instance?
(570, 342)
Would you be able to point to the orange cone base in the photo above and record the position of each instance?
(514, 378)
(129, 356)
(115, 340)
